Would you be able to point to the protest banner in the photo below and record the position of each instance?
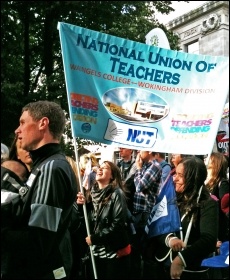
(130, 94)
(222, 138)
(165, 216)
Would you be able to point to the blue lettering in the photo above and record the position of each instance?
(135, 136)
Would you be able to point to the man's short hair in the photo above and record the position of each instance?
(162, 155)
(52, 111)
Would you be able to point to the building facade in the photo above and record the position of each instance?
(204, 30)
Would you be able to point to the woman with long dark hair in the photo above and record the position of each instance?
(179, 255)
(107, 216)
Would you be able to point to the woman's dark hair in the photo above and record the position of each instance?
(116, 174)
(200, 156)
(116, 180)
(13, 150)
(195, 173)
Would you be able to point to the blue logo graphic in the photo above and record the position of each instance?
(86, 127)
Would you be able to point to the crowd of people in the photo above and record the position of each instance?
(86, 220)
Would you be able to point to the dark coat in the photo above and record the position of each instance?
(128, 171)
(219, 191)
(110, 227)
(202, 239)
(40, 244)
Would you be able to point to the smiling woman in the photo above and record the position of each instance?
(179, 254)
(179, 179)
(108, 217)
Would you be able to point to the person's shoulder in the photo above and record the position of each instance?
(209, 206)
(223, 182)
(154, 165)
(133, 166)
(57, 161)
(164, 164)
(133, 160)
(118, 196)
(211, 201)
(120, 162)
(118, 192)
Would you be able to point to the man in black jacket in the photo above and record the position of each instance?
(128, 168)
(40, 246)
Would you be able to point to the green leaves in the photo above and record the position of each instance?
(31, 62)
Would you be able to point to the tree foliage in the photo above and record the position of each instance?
(31, 61)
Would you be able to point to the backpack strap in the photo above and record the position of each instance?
(22, 189)
(223, 180)
(164, 164)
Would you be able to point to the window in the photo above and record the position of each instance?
(193, 48)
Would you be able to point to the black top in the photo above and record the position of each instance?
(33, 250)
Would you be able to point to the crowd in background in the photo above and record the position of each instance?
(86, 219)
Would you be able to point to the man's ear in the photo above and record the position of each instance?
(44, 122)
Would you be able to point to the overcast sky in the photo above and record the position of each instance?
(180, 9)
